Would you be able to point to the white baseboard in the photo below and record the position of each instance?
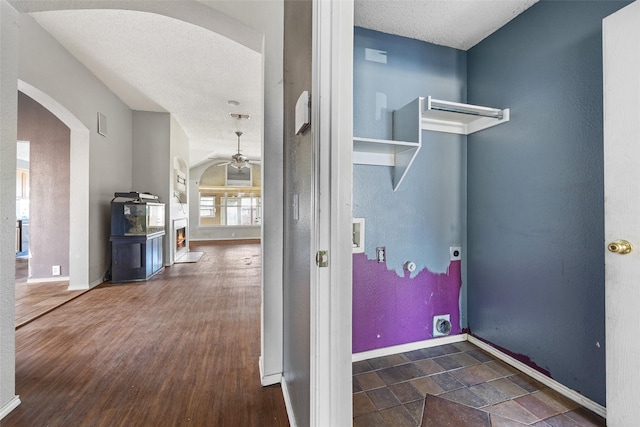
(86, 287)
(549, 382)
(9, 406)
(217, 239)
(271, 379)
(287, 403)
(48, 279)
(403, 348)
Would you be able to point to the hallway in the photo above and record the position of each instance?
(180, 349)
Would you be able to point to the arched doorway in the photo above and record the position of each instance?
(78, 188)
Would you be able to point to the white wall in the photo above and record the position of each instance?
(8, 135)
(178, 158)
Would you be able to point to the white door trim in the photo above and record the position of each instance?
(332, 128)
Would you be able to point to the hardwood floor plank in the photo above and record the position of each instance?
(180, 349)
(36, 299)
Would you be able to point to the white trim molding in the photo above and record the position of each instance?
(85, 287)
(331, 182)
(48, 279)
(287, 403)
(538, 376)
(271, 379)
(403, 348)
(9, 406)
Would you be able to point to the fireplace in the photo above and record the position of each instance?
(180, 238)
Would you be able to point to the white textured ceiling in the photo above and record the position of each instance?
(460, 24)
(155, 63)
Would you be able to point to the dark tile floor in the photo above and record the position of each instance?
(456, 385)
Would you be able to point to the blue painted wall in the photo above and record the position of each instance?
(425, 216)
(535, 192)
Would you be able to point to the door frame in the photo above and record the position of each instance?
(332, 128)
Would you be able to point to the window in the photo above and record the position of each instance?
(234, 209)
(207, 206)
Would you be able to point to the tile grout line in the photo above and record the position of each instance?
(505, 372)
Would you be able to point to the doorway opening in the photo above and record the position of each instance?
(22, 199)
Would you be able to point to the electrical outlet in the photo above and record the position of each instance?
(441, 325)
(55, 270)
(455, 253)
(381, 254)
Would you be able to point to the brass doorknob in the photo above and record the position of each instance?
(621, 247)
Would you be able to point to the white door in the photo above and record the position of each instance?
(621, 43)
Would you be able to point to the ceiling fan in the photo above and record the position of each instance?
(238, 160)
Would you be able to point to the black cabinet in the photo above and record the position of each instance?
(135, 258)
(137, 227)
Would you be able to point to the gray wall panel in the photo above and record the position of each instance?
(298, 158)
(535, 193)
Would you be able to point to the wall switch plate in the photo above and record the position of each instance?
(381, 254)
(455, 253)
(55, 270)
(441, 325)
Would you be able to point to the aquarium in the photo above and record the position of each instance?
(136, 218)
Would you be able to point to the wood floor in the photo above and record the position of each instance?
(36, 299)
(180, 349)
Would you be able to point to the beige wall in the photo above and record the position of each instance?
(49, 187)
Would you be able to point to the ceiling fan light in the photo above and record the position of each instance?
(238, 165)
(239, 160)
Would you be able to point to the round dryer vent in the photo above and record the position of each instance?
(441, 325)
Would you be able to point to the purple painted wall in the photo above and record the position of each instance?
(389, 309)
